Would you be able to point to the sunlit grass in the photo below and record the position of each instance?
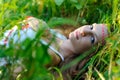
(104, 65)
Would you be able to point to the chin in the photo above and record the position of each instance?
(70, 37)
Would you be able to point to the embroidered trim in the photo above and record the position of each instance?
(6, 39)
(25, 26)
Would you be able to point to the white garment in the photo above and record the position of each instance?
(19, 35)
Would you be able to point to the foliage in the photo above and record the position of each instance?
(104, 65)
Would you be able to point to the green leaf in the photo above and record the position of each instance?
(55, 21)
(78, 6)
(118, 61)
(59, 2)
(74, 1)
(100, 74)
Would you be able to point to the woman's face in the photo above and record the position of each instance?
(86, 36)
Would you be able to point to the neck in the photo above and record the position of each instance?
(66, 48)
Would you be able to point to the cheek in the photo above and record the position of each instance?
(85, 42)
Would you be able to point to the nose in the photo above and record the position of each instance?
(85, 32)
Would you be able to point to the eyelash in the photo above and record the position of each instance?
(91, 27)
(92, 39)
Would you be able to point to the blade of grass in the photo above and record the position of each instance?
(100, 75)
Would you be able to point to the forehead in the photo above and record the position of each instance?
(101, 31)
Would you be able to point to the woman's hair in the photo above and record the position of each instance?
(75, 69)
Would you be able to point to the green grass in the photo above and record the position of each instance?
(103, 66)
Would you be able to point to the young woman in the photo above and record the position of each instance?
(62, 50)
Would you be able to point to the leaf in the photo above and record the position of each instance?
(74, 1)
(59, 2)
(60, 21)
(100, 75)
(78, 6)
(118, 61)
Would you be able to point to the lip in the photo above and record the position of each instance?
(74, 34)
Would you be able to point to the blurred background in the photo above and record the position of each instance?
(66, 14)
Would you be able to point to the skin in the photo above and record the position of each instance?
(83, 38)
(80, 40)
